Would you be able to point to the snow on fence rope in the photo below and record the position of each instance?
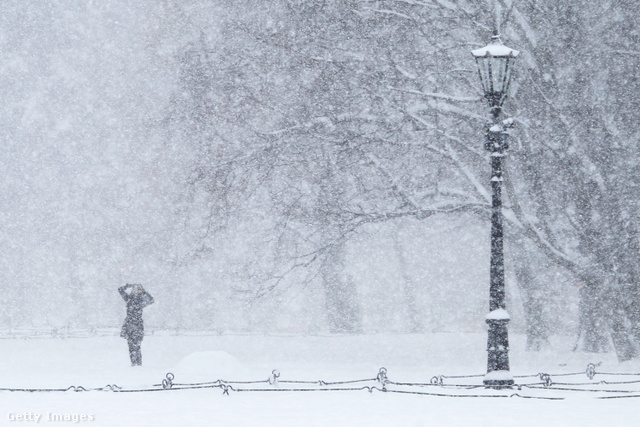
(533, 386)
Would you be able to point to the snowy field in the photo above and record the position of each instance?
(94, 362)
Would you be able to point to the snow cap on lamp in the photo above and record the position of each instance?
(495, 63)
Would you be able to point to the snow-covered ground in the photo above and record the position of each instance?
(95, 362)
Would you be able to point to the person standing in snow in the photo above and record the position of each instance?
(133, 328)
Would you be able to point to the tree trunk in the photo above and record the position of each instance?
(533, 294)
(632, 308)
(533, 303)
(341, 299)
(414, 319)
(620, 333)
(592, 320)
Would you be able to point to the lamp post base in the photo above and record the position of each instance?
(498, 379)
(498, 371)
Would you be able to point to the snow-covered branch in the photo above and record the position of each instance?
(438, 95)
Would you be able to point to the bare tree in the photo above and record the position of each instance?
(339, 114)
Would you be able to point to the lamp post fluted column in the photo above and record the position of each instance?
(498, 372)
(495, 63)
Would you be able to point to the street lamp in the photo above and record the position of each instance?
(495, 62)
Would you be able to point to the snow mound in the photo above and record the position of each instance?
(210, 366)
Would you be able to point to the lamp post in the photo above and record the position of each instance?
(495, 62)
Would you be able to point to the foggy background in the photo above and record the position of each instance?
(316, 167)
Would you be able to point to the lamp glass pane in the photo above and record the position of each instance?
(483, 70)
(499, 73)
(507, 77)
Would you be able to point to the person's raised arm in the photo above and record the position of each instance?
(121, 289)
(148, 299)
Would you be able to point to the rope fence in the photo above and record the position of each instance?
(534, 386)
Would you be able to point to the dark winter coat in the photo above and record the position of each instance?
(133, 327)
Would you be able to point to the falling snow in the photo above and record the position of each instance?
(286, 175)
